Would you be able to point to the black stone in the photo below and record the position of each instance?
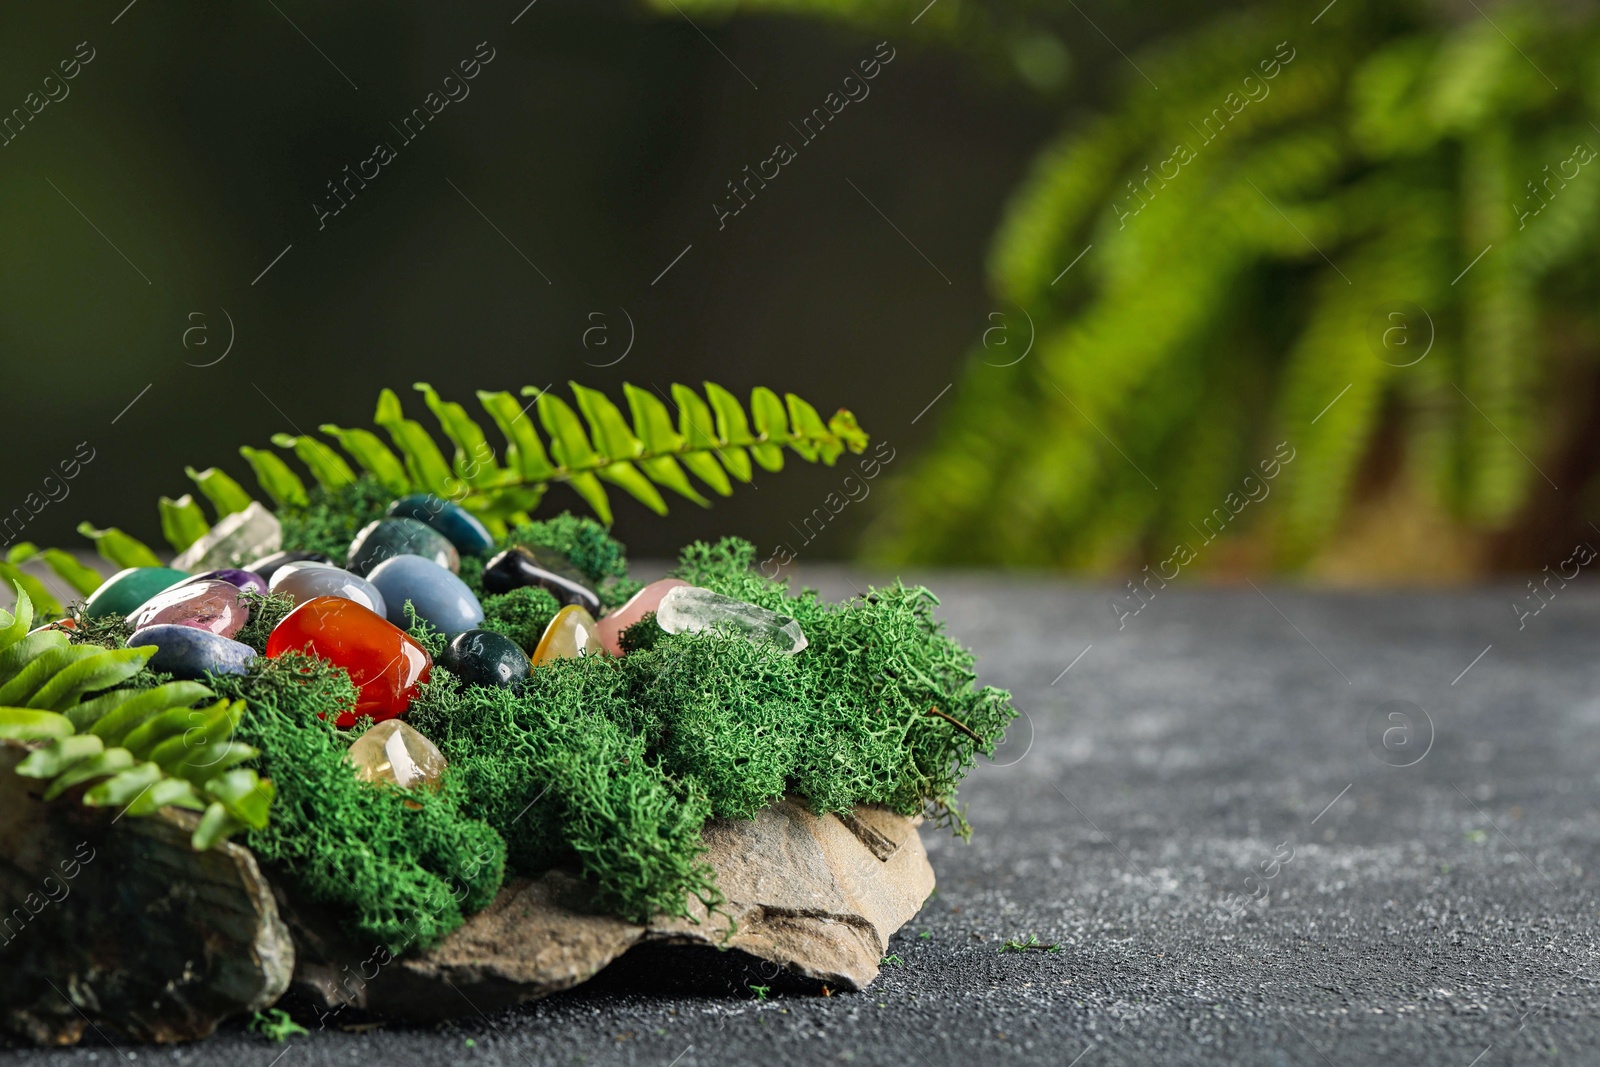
(522, 566)
(267, 566)
(483, 657)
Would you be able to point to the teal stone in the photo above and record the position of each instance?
(439, 597)
(458, 525)
(388, 538)
(126, 590)
(483, 657)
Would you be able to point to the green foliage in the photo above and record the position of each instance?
(594, 444)
(521, 615)
(332, 516)
(265, 613)
(143, 747)
(402, 867)
(275, 1025)
(1244, 239)
(555, 769)
(620, 761)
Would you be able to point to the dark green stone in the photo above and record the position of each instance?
(483, 657)
(388, 538)
(126, 590)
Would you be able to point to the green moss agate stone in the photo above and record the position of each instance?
(126, 590)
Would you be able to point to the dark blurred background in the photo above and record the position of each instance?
(193, 146)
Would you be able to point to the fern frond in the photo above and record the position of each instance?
(713, 437)
(143, 749)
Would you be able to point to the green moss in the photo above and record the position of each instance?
(521, 615)
(620, 762)
(398, 874)
(331, 518)
(265, 613)
(614, 765)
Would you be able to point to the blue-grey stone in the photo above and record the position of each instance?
(186, 652)
(455, 522)
(387, 538)
(438, 596)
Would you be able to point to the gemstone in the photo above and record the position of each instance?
(267, 566)
(187, 652)
(211, 605)
(638, 606)
(126, 590)
(385, 663)
(239, 579)
(387, 538)
(393, 753)
(439, 597)
(521, 566)
(459, 526)
(483, 657)
(247, 534)
(570, 634)
(304, 581)
(690, 609)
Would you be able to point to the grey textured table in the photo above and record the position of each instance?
(1264, 827)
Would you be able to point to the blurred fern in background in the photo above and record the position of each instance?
(1262, 246)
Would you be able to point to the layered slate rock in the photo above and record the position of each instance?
(122, 927)
(812, 898)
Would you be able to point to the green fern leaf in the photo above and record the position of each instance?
(182, 522)
(273, 474)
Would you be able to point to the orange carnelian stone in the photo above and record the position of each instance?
(386, 663)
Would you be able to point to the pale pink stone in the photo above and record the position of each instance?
(208, 605)
(643, 603)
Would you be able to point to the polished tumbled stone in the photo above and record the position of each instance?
(638, 606)
(247, 534)
(388, 538)
(267, 566)
(386, 664)
(690, 609)
(303, 581)
(439, 597)
(211, 605)
(570, 634)
(127, 589)
(483, 657)
(455, 522)
(243, 580)
(393, 753)
(185, 652)
(521, 566)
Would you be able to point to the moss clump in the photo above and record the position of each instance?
(619, 762)
(521, 615)
(265, 613)
(107, 631)
(399, 875)
(331, 518)
(560, 768)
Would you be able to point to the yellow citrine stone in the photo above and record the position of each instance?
(573, 632)
(392, 752)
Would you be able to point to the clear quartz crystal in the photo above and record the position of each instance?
(244, 535)
(690, 609)
(393, 753)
